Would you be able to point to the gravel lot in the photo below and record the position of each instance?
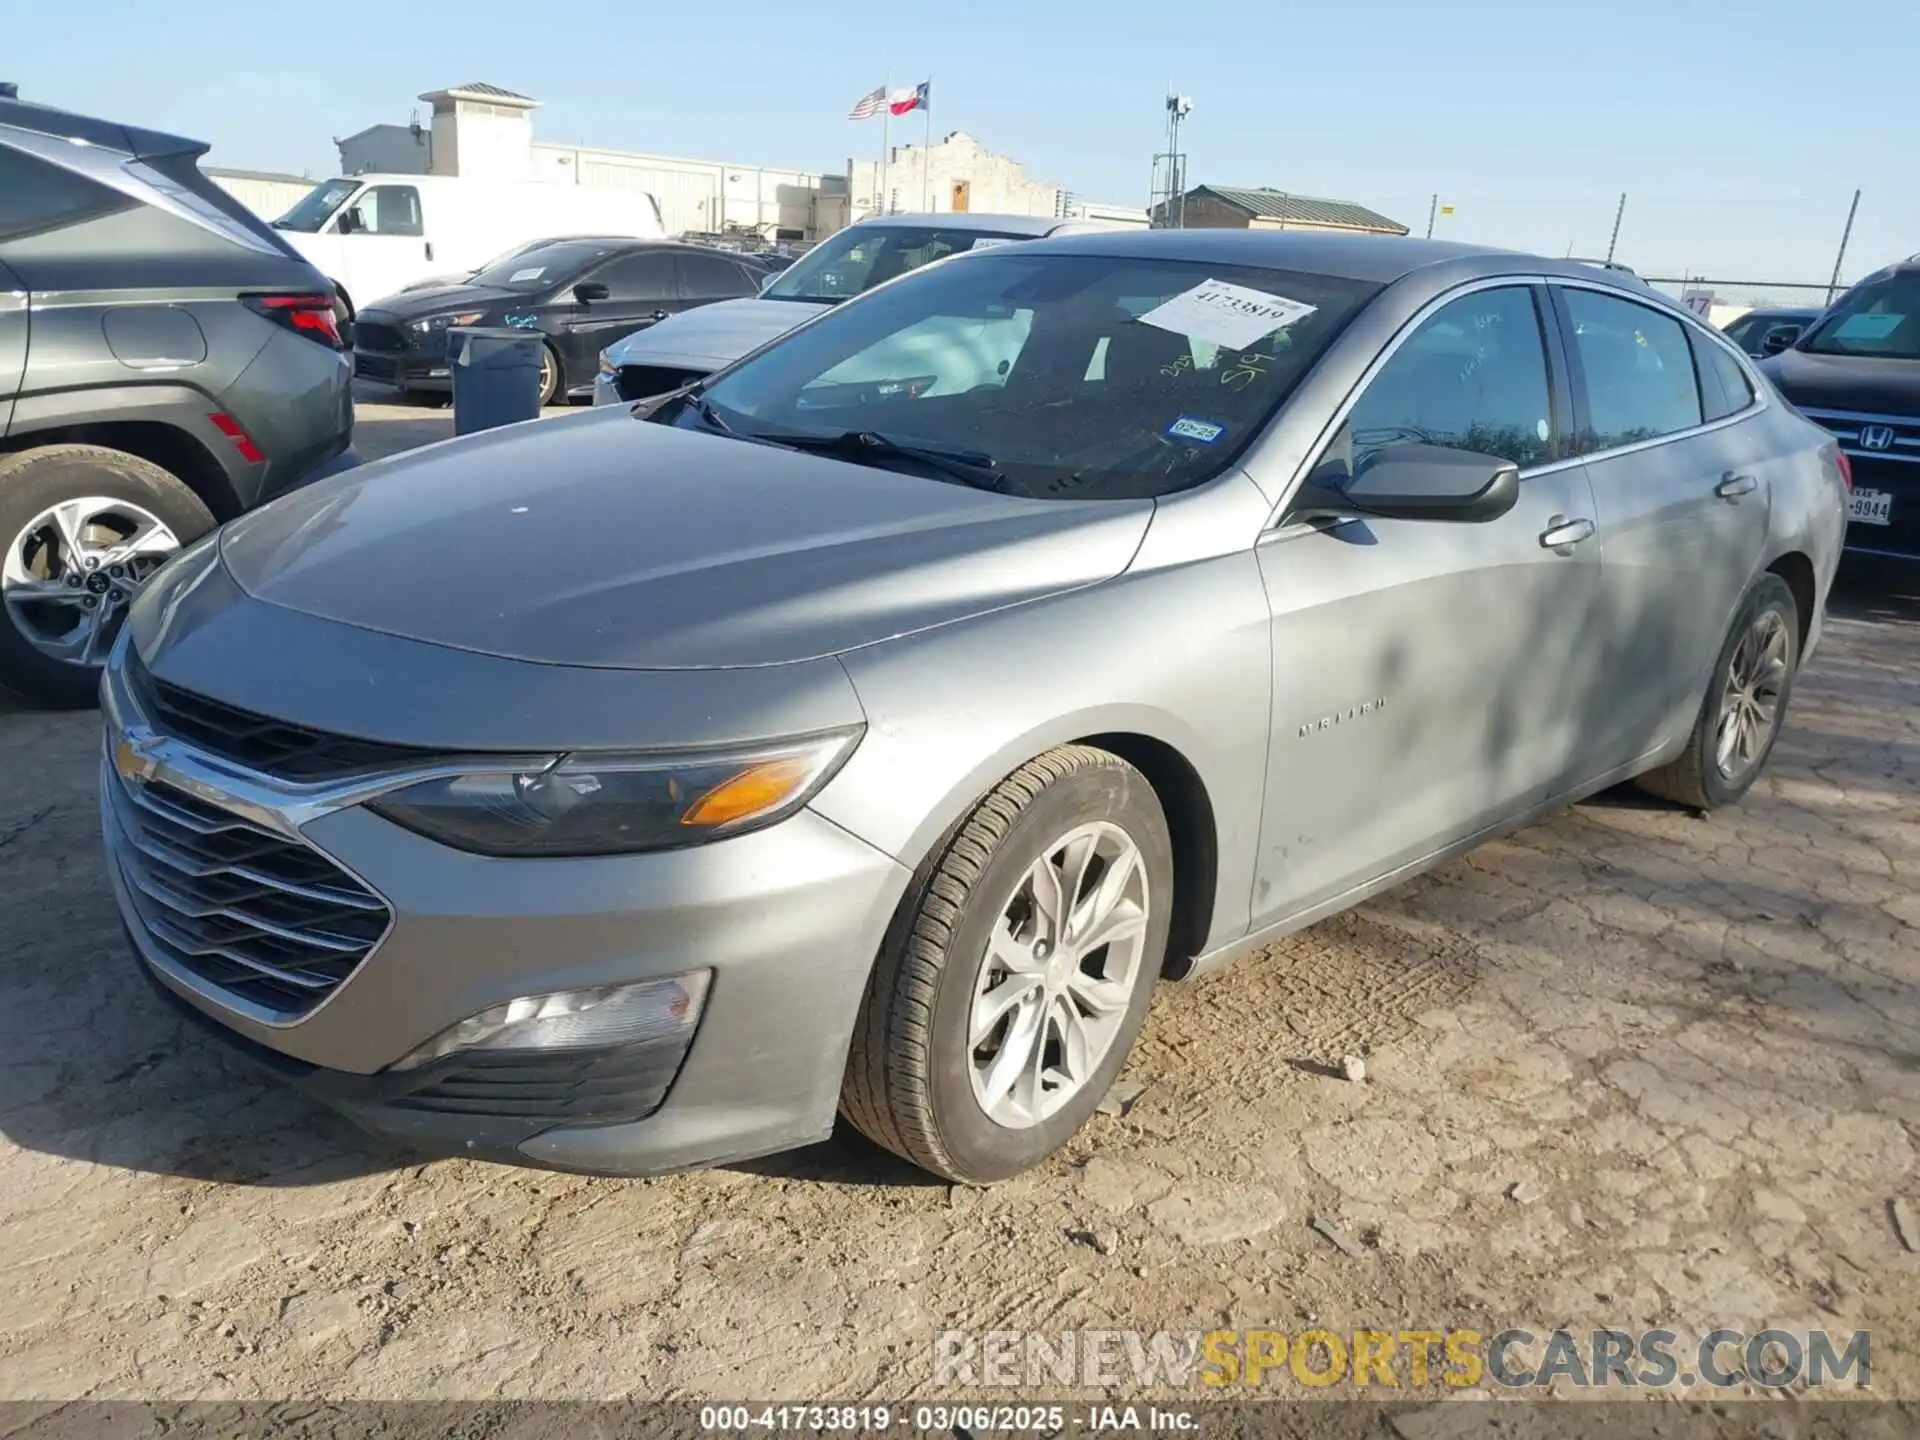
(1628, 1067)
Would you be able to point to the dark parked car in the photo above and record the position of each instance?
(580, 295)
(440, 282)
(166, 362)
(1856, 370)
(1784, 323)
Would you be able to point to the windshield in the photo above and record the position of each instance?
(1079, 377)
(542, 267)
(862, 256)
(1878, 317)
(314, 208)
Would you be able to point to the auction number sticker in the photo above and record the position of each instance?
(1226, 314)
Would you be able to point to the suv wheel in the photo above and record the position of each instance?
(1013, 986)
(84, 528)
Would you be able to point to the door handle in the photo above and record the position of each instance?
(1562, 534)
(1734, 484)
(428, 247)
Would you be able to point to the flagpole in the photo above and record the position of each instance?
(926, 153)
(886, 143)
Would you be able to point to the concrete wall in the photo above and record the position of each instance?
(919, 178)
(268, 196)
(706, 195)
(478, 139)
(387, 150)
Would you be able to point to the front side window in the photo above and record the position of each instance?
(1638, 367)
(388, 210)
(1879, 317)
(863, 256)
(1472, 377)
(1055, 368)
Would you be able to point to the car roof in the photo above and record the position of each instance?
(128, 140)
(967, 220)
(1378, 258)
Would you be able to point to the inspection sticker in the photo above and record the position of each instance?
(1229, 315)
(1188, 428)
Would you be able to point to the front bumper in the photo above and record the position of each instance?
(403, 369)
(786, 920)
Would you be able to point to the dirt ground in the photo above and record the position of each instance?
(1626, 1068)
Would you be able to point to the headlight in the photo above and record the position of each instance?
(607, 367)
(431, 323)
(602, 804)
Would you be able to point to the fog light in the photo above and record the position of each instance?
(600, 1018)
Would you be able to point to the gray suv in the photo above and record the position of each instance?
(166, 362)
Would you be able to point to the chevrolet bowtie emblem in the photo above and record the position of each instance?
(133, 757)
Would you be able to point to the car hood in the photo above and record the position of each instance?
(436, 299)
(713, 335)
(603, 540)
(1846, 382)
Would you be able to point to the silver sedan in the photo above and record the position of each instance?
(866, 730)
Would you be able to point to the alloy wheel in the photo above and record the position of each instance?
(70, 574)
(1750, 700)
(1059, 972)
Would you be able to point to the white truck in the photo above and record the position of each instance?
(373, 234)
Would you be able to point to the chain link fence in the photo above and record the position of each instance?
(1744, 294)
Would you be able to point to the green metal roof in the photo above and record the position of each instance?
(1268, 204)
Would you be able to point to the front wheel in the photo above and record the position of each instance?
(84, 528)
(1745, 705)
(1019, 973)
(549, 375)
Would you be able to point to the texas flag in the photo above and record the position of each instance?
(905, 101)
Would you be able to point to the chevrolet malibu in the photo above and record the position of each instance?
(865, 731)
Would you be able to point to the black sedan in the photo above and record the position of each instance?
(579, 295)
(1752, 331)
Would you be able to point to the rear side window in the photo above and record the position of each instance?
(36, 196)
(1724, 387)
(712, 277)
(1638, 368)
(1472, 377)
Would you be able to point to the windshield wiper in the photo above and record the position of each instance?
(970, 467)
(703, 407)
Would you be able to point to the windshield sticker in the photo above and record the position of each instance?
(1188, 428)
(533, 273)
(1868, 327)
(988, 242)
(1228, 315)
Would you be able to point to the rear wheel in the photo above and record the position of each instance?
(1745, 705)
(1011, 991)
(84, 529)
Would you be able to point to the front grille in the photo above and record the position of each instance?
(602, 1086)
(259, 742)
(643, 382)
(1894, 439)
(375, 367)
(268, 919)
(372, 335)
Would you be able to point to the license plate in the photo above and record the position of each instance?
(1870, 507)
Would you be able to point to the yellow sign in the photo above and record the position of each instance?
(1446, 209)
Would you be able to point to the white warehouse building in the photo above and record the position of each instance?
(483, 130)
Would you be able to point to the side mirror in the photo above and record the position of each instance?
(590, 290)
(1419, 482)
(1779, 338)
(350, 222)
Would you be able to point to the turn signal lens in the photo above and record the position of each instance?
(753, 791)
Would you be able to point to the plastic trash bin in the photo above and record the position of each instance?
(496, 376)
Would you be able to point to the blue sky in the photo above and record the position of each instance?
(1739, 132)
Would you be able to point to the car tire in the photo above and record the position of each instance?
(920, 1076)
(32, 484)
(1757, 660)
(551, 374)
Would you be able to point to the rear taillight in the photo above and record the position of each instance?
(309, 315)
(1846, 468)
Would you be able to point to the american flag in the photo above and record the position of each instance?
(871, 104)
